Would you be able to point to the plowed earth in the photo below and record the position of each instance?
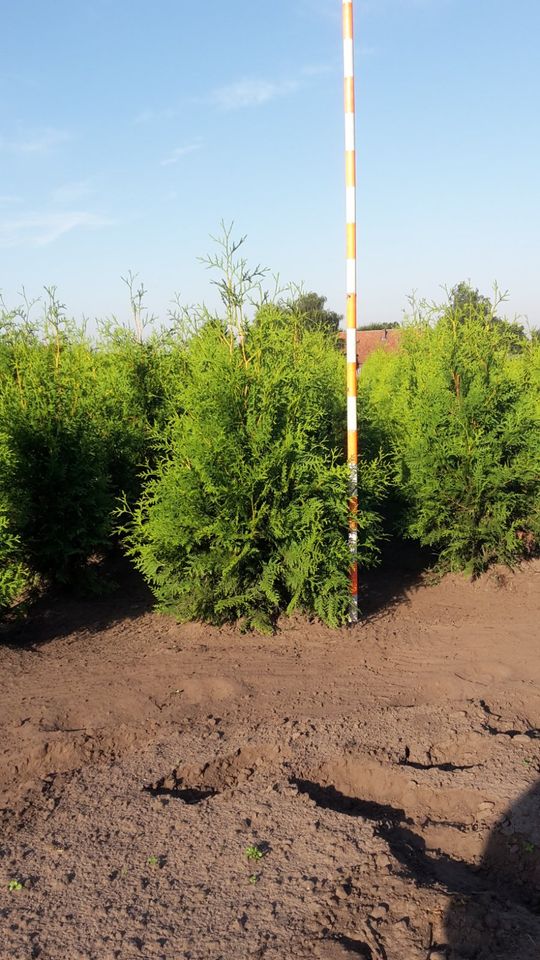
(387, 775)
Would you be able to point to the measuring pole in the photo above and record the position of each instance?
(350, 193)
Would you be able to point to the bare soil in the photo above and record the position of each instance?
(387, 774)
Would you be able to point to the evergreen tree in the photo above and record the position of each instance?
(246, 515)
(459, 410)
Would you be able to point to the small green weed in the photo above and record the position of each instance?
(529, 847)
(253, 852)
(254, 878)
(14, 885)
(152, 861)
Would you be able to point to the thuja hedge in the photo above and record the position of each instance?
(218, 456)
(245, 515)
(214, 455)
(457, 411)
(14, 577)
(77, 418)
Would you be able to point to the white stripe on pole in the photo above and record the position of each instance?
(348, 57)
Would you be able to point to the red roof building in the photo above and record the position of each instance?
(367, 341)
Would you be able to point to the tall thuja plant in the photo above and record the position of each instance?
(53, 460)
(460, 410)
(380, 387)
(14, 575)
(77, 425)
(137, 393)
(246, 514)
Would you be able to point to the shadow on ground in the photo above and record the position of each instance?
(121, 595)
(502, 920)
(60, 612)
(404, 566)
(494, 908)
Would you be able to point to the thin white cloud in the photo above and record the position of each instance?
(40, 229)
(251, 93)
(239, 94)
(37, 142)
(178, 153)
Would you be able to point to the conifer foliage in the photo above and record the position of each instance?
(75, 430)
(14, 577)
(459, 410)
(246, 515)
(214, 452)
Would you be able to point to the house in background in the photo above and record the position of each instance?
(367, 341)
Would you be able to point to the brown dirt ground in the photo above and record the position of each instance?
(388, 773)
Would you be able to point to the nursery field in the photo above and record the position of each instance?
(190, 791)
(198, 758)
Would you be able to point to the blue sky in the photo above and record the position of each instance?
(129, 130)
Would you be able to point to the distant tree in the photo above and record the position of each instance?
(311, 307)
(465, 301)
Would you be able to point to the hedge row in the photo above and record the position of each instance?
(216, 459)
(457, 412)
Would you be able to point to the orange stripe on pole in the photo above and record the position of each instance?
(350, 168)
(351, 379)
(348, 92)
(351, 310)
(351, 241)
(352, 448)
(347, 21)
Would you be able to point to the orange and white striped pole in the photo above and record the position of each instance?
(350, 194)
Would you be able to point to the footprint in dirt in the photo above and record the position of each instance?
(502, 922)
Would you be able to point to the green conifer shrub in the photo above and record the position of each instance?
(246, 514)
(458, 409)
(137, 398)
(13, 574)
(53, 462)
(76, 427)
